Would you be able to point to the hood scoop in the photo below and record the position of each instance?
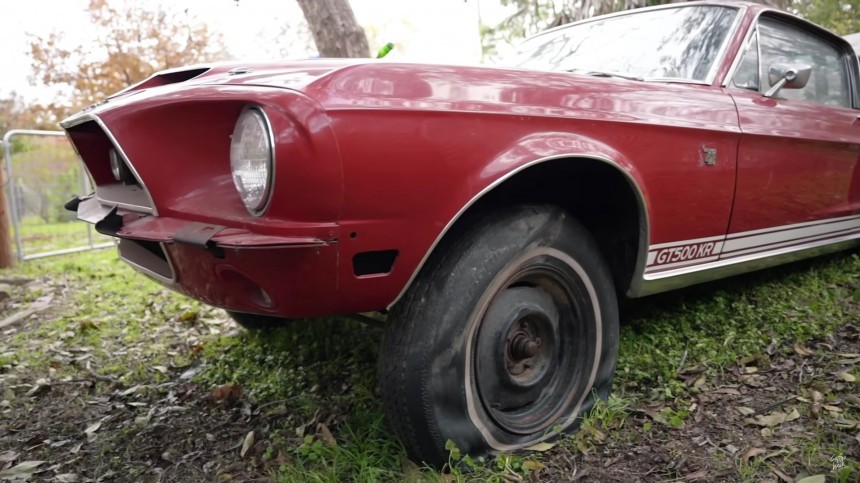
(164, 78)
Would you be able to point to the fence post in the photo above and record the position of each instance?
(6, 258)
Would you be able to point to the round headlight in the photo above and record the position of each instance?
(251, 154)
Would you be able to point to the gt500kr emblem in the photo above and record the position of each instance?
(688, 252)
(677, 254)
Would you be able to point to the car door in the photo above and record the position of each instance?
(797, 175)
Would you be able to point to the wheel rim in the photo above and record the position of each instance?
(529, 356)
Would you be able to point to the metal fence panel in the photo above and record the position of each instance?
(42, 173)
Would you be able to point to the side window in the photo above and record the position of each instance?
(746, 77)
(780, 43)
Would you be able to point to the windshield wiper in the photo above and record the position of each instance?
(597, 73)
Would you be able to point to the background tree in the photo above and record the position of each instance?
(533, 16)
(840, 16)
(15, 113)
(130, 42)
(334, 28)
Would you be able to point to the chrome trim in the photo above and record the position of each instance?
(126, 206)
(721, 56)
(644, 227)
(88, 116)
(740, 53)
(272, 160)
(148, 272)
(718, 61)
(675, 80)
(684, 277)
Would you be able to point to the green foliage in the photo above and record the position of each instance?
(840, 16)
(731, 320)
(322, 374)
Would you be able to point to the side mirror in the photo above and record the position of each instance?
(789, 76)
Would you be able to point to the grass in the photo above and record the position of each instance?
(39, 236)
(320, 376)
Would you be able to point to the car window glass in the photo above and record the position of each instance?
(746, 77)
(781, 43)
(676, 43)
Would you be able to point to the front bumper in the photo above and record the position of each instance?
(227, 267)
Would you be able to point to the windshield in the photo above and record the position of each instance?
(673, 43)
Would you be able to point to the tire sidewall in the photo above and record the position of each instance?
(505, 242)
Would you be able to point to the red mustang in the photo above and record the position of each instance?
(495, 214)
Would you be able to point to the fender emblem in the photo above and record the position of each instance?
(709, 156)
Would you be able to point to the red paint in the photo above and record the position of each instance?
(392, 152)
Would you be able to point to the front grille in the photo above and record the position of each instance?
(148, 257)
(94, 142)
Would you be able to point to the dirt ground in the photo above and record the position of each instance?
(785, 413)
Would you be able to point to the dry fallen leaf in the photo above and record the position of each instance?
(727, 390)
(745, 410)
(541, 447)
(411, 470)
(773, 419)
(93, 427)
(229, 393)
(752, 452)
(21, 471)
(8, 456)
(325, 434)
(698, 475)
(533, 465)
(246, 445)
(813, 479)
(847, 377)
(802, 351)
(782, 476)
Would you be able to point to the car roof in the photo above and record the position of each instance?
(854, 40)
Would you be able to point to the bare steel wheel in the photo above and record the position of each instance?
(505, 339)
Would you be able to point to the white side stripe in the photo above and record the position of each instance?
(742, 241)
(794, 225)
(754, 241)
(687, 242)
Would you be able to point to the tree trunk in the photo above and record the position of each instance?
(7, 260)
(335, 30)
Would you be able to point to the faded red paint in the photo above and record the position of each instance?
(375, 156)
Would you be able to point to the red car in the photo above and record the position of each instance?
(494, 214)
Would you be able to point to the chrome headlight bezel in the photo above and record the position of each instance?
(258, 203)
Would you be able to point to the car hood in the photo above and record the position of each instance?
(373, 84)
(351, 84)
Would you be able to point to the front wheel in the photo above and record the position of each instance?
(503, 340)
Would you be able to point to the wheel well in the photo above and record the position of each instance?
(596, 193)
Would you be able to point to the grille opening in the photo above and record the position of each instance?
(374, 263)
(148, 256)
(95, 147)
